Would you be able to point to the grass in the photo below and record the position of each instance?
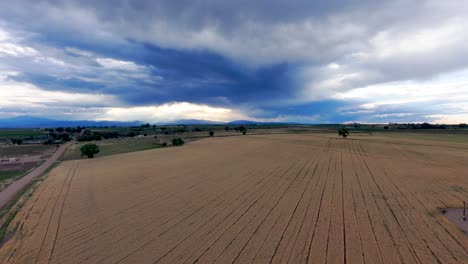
(114, 146)
(5, 175)
(7, 209)
(15, 150)
(4, 227)
(10, 215)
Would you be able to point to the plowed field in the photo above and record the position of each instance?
(251, 199)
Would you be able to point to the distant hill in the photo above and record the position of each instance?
(248, 122)
(242, 122)
(39, 122)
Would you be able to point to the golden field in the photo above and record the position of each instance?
(312, 198)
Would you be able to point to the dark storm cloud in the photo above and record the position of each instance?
(280, 58)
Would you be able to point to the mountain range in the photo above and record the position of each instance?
(40, 122)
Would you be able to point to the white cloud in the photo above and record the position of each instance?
(9, 46)
(171, 112)
(4, 75)
(184, 110)
(28, 96)
(443, 99)
(68, 64)
(394, 115)
(449, 118)
(421, 41)
(109, 63)
(78, 52)
(449, 87)
(16, 50)
(21, 98)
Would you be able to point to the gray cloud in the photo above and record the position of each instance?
(261, 32)
(335, 46)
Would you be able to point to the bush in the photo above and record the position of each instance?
(17, 141)
(343, 132)
(211, 133)
(164, 144)
(108, 135)
(385, 127)
(89, 150)
(64, 137)
(180, 130)
(242, 129)
(177, 142)
(87, 136)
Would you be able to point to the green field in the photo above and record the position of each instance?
(5, 175)
(114, 146)
(22, 133)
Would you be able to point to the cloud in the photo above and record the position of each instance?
(25, 95)
(377, 59)
(9, 46)
(19, 98)
(449, 118)
(172, 112)
(67, 68)
(109, 63)
(443, 99)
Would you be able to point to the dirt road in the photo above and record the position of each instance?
(7, 194)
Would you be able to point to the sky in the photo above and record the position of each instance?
(274, 61)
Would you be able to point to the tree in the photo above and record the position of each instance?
(89, 150)
(243, 130)
(17, 141)
(211, 133)
(64, 137)
(177, 142)
(343, 132)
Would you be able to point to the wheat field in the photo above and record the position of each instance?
(251, 199)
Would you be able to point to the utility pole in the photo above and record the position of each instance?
(464, 211)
